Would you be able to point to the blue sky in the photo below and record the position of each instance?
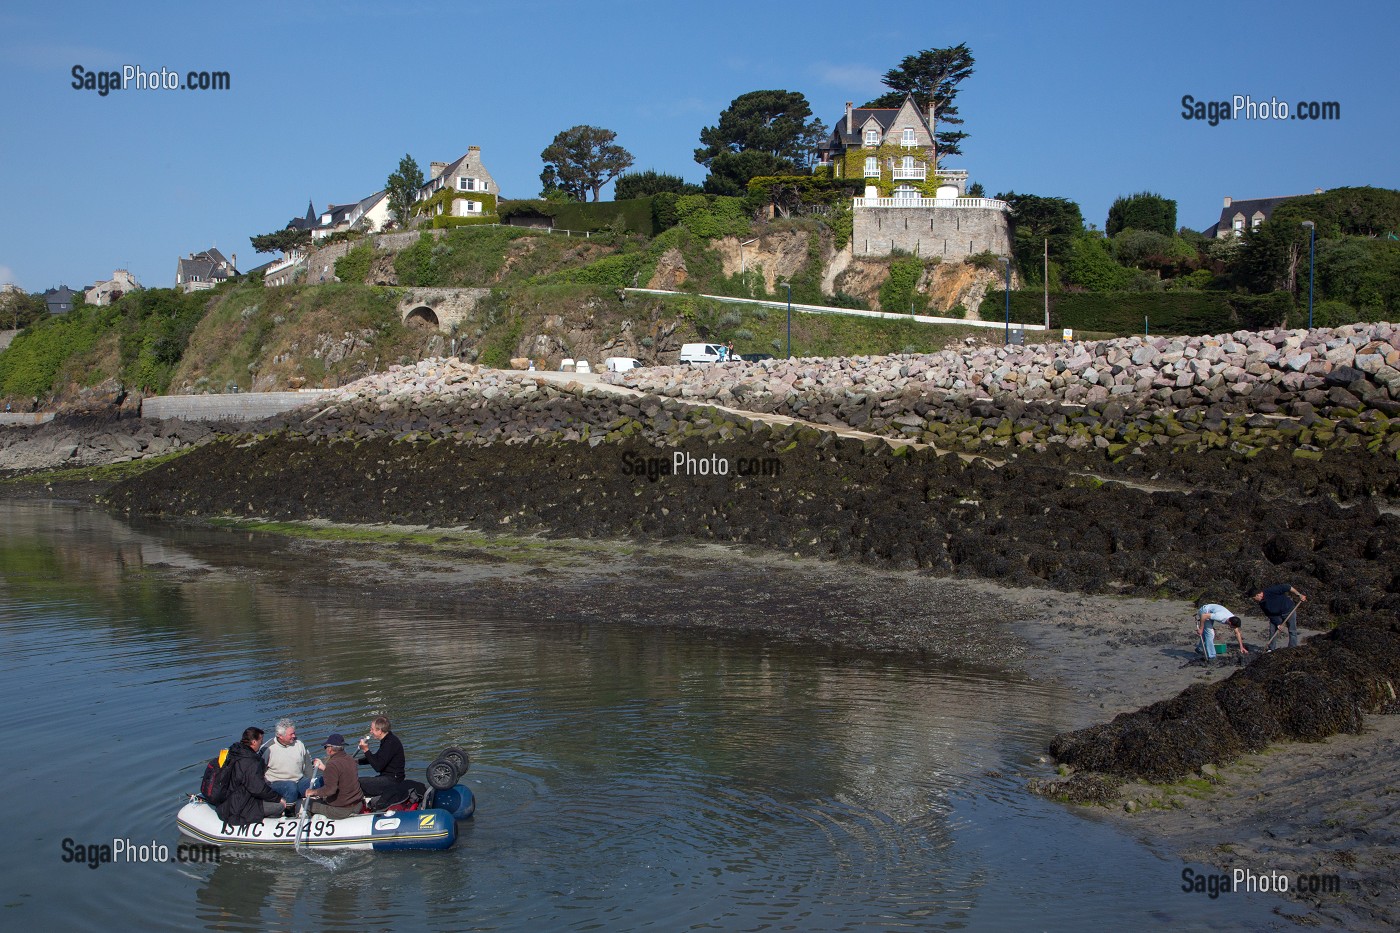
(1079, 100)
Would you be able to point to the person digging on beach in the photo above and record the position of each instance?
(1280, 603)
(1206, 617)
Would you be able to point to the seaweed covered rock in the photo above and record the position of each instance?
(1306, 693)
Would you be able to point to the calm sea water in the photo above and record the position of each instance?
(626, 779)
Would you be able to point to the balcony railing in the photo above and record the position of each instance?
(910, 173)
(991, 204)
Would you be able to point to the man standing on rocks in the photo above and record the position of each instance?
(1280, 603)
(1206, 617)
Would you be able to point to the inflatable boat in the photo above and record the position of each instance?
(404, 827)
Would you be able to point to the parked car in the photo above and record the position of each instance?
(582, 367)
(620, 364)
(696, 353)
(755, 357)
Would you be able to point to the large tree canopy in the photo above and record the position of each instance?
(645, 184)
(1142, 211)
(281, 240)
(932, 76)
(402, 187)
(761, 133)
(583, 159)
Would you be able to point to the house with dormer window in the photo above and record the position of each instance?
(1238, 216)
(461, 189)
(893, 149)
(911, 204)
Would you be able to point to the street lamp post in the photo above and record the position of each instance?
(1007, 261)
(788, 286)
(1312, 250)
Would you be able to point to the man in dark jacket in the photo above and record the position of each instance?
(1280, 603)
(388, 760)
(250, 798)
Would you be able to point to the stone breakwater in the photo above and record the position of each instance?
(77, 441)
(441, 399)
(1305, 391)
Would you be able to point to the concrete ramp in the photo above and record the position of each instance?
(246, 406)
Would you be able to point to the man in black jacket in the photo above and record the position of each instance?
(250, 798)
(388, 760)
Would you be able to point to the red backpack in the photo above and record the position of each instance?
(214, 786)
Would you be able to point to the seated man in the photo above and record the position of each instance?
(340, 795)
(287, 762)
(388, 760)
(250, 799)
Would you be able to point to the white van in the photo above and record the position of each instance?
(620, 364)
(695, 353)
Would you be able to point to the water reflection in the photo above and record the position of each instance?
(626, 778)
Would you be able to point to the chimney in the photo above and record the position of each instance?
(1227, 201)
(850, 118)
(473, 149)
(435, 169)
(233, 260)
(932, 120)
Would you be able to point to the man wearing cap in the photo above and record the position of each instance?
(340, 795)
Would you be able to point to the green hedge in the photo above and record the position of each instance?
(636, 214)
(601, 215)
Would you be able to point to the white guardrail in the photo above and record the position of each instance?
(854, 312)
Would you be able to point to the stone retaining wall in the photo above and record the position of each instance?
(949, 232)
(249, 406)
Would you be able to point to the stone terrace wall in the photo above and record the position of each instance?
(949, 232)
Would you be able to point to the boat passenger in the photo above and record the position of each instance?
(250, 798)
(340, 794)
(288, 762)
(387, 760)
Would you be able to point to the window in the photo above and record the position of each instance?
(1257, 220)
(907, 137)
(872, 167)
(872, 138)
(906, 193)
(1239, 223)
(470, 184)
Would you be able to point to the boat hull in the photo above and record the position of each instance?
(380, 832)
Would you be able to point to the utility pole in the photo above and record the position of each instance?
(1046, 277)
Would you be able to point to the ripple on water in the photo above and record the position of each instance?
(626, 779)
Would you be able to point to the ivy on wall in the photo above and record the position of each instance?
(852, 166)
(446, 196)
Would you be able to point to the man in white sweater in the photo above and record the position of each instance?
(288, 763)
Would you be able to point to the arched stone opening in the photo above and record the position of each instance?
(422, 316)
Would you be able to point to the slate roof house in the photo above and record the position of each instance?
(373, 211)
(59, 300)
(1237, 216)
(893, 147)
(473, 189)
(204, 270)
